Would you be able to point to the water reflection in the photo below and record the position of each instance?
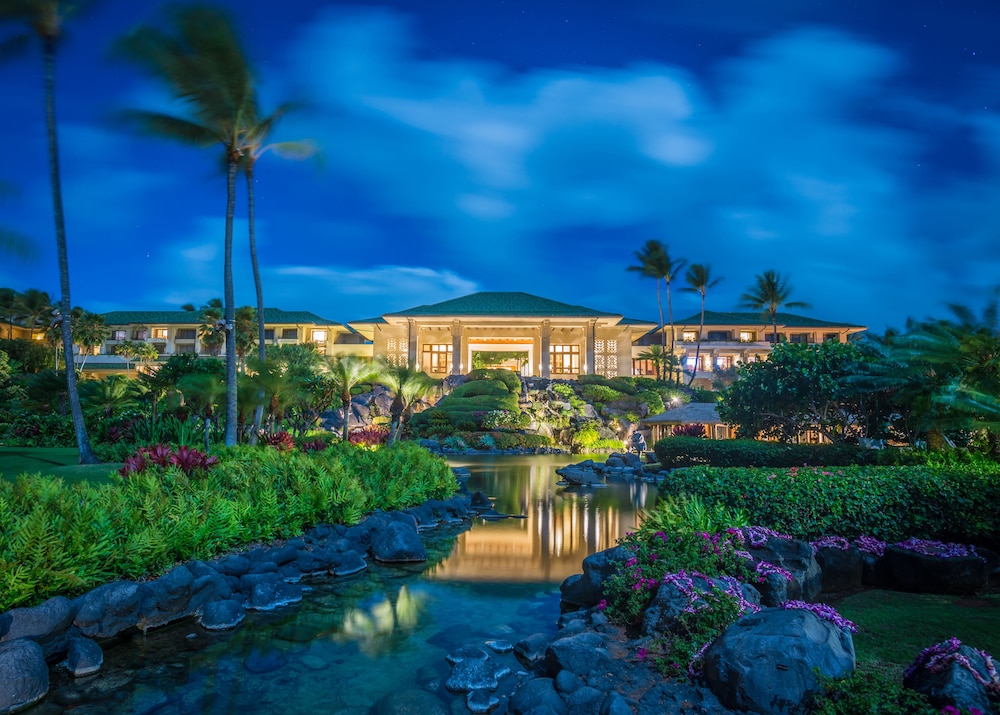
(561, 526)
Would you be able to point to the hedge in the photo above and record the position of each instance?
(955, 503)
(673, 452)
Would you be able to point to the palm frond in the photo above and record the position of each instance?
(169, 126)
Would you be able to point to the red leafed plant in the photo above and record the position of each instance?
(316, 445)
(692, 430)
(282, 441)
(371, 436)
(187, 459)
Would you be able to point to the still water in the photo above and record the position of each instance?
(354, 640)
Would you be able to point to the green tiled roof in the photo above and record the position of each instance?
(502, 304)
(186, 317)
(756, 317)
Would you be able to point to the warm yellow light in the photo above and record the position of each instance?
(39, 337)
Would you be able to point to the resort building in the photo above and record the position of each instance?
(531, 335)
(174, 332)
(729, 339)
(691, 413)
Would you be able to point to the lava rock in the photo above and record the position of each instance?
(397, 542)
(84, 657)
(23, 673)
(910, 571)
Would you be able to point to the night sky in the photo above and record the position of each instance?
(535, 145)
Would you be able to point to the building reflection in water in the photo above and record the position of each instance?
(561, 526)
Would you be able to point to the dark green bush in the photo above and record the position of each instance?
(956, 504)
(600, 393)
(508, 378)
(673, 452)
(31, 428)
(618, 384)
(479, 388)
(869, 692)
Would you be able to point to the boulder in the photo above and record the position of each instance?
(670, 601)
(538, 693)
(586, 590)
(109, 609)
(842, 569)
(580, 477)
(531, 650)
(951, 681)
(23, 674)
(167, 598)
(474, 674)
(907, 570)
(85, 657)
(797, 558)
(272, 594)
(397, 542)
(222, 615)
(580, 654)
(42, 622)
(766, 661)
(350, 562)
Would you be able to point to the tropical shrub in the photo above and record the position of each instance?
(563, 390)
(369, 437)
(188, 460)
(695, 429)
(956, 504)
(282, 441)
(685, 451)
(869, 692)
(600, 393)
(24, 428)
(65, 539)
(508, 378)
(653, 400)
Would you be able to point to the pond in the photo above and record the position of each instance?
(354, 640)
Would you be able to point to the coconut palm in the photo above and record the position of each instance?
(45, 19)
(655, 262)
(699, 280)
(211, 331)
(245, 332)
(769, 294)
(203, 64)
(346, 372)
(35, 307)
(202, 391)
(256, 145)
(655, 354)
(409, 386)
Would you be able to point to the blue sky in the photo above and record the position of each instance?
(536, 145)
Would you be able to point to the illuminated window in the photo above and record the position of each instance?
(159, 333)
(565, 359)
(748, 336)
(723, 362)
(689, 336)
(437, 358)
(319, 336)
(118, 335)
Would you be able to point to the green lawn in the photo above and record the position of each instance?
(52, 461)
(894, 627)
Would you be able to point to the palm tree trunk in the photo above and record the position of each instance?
(258, 412)
(346, 406)
(230, 307)
(675, 377)
(697, 349)
(87, 455)
(659, 304)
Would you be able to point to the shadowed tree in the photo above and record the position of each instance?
(699, 280)
(11, 242)
(211, 332)
(655, 354)
(770, 294)
(408, 386)
(9, 308)
(35, 308)
(258, 131)
(45, 19)
(202, 391)
(655, 262)
(346, 372)
(203, 64)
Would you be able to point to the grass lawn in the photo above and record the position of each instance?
(894, 627)
(52, 461)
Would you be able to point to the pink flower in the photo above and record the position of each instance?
(602, 604)
(641, 654)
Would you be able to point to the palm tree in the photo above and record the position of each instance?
(409, 386)
(655, 354)
(246, 338)
(211, 331)
(699, 280)
(12, 242)
(35, 307)
(346, 372)
(653, 261)
(10, 301)
(202, 391)
(255, 146)
(204, 65)
(769, 294)
(45, 18)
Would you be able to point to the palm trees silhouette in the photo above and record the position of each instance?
(655, 262)
(45, 19)
(699, 280)
(770, 293)
(203, 64)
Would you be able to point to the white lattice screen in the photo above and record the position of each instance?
(606, 357)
